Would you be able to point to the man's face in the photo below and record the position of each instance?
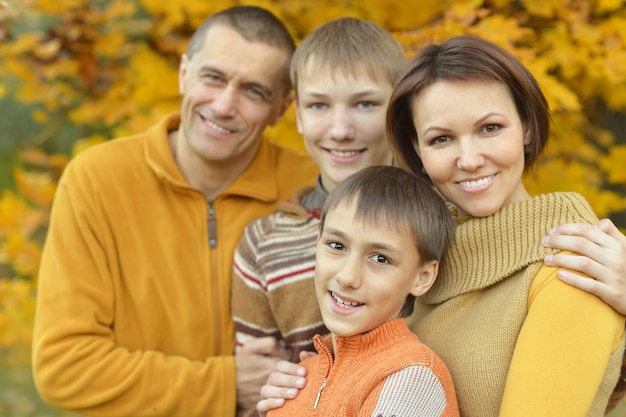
(232, 89)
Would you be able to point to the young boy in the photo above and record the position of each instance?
(382, 233)
(343, 74)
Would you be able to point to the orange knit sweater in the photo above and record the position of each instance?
(386, 372)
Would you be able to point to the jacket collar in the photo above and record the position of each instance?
(258, 181)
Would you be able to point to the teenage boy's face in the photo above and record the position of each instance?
(342, 120)
(364, 272)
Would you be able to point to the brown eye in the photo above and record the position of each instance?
(380, 259)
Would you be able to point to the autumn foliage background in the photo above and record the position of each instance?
(78, 72)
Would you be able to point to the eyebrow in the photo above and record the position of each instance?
(482, 119)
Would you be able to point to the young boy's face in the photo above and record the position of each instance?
(342, 120)
(364, 272)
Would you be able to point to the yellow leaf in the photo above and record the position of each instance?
(543, 8)
(40, 116)
(22, 254)
(110, 45)
(39, 187)
(47, 50)
(613, 163)
(56, 7)
(153, 77)
(17, 312)
(607, 6)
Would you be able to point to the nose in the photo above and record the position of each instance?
(349, 274)
(471, 155)
(342, 126)
(225, 103)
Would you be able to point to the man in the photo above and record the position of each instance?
(133, 314)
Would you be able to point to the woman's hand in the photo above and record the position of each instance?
(601, 254)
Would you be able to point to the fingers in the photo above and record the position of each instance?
(577, 263)
(291, 369)
(611, 295)
(260, 345)
(264, 406)
(584, 239)
(609, 228)
(304, 355)
(600, 252)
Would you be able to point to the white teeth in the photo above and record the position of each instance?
(343, 303)
(344, 154)
(216, 127)
(475, 184)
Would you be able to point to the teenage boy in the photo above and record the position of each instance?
(382, 234)
(343, 74)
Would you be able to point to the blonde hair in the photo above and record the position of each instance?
(348, 45)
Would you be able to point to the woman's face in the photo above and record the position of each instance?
(471, 142)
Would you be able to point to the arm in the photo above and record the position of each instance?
(413, 391)
(562, 351)
(602, 255)
(256, 331)
(78, 362)
(250, 305)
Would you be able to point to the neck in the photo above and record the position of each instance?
(210, 178)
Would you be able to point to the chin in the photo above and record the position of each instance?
(481, 212)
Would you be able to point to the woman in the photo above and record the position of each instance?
(517, 340)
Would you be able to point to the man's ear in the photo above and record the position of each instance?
(425, 278)
(283, 108)
(182, 71)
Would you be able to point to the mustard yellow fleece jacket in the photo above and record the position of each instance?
(133, 314)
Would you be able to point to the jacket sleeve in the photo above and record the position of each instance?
(77, 363)
(562, 352)
(252, 313)
(415, 390)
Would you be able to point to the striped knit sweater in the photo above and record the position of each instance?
(385, 372)
(273, 292)
(517, 340)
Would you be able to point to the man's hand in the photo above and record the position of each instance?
(253, 364)
(284, 383)
(601, 253)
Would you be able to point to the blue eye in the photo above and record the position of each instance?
(212, 77)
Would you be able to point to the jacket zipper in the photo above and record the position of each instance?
(212, 227)
(319, 394)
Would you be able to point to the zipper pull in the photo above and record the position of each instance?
(319, 394)
(212, 226)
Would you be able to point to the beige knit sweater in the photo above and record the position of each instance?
(493, 293)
